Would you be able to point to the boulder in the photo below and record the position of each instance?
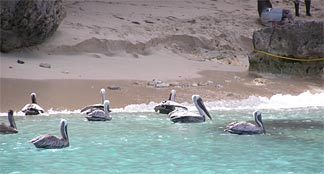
(301, 40)
(28, 22)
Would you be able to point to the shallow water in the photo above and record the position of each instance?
(150, 143)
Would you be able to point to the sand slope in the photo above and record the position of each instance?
(140, 40)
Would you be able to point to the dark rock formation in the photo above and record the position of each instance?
(28, 22)
(301, 40)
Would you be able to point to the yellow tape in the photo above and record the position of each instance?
(288, 58)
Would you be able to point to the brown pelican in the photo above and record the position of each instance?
(49, 141)
(33, 108)
(100, 115)
(93, 107)
(165, 107)
(243, 127)
(184, 116)
(4, 129)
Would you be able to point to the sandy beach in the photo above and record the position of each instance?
(196, 47)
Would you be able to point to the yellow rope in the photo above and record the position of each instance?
(288, 58)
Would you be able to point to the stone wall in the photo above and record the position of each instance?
(28, 22)
(300, 40)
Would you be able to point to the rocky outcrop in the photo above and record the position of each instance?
(28, 22)
(301, 40)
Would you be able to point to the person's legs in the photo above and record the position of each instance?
(296, 2)
(308, 5)
(287, 14)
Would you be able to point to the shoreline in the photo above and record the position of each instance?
(62, 94)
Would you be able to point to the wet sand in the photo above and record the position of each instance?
(216, 85)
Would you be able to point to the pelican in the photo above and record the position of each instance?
(93, 107)
(243, 127)
(4, 129)
(32, 108)
(100, 115)
(184, 116)
(165, 107)
(49, 141)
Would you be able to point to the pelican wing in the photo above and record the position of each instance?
(182, 113)
(243, 128)
(166, 107)
(91, 107)
(172, 103)
(184, 116)
(98, 113)
(4, 129)
(32, 106)
(45, 141)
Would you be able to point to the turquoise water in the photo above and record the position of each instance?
(150, 143)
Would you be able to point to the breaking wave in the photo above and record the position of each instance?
(278, 101)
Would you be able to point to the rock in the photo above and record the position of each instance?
(219, 86)
(154, 82)
(45, 65)
(20, 62)
(300, 40)
(136, 83)
(194, 84)
(237, 78)
(162, 85)
(113, 87)
(203, 84)
(26, 23)
(260, 81)
(174, 84)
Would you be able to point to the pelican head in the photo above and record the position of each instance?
(63, 125)
(103, 94)
(258, 120)
(200, 106)
(172, 95)
(33, 97)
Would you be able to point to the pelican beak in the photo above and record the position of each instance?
(203, 107)
(208, 114)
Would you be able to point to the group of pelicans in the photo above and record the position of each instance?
(176, 112)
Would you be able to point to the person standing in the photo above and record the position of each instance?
(307, 4)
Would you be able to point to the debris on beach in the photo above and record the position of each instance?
(260, 81)
(162, 85)
(20, 62)
(45, 65)
(205, 83)
(113, 87)
(219, 86)
(158, 83)
(194, 84)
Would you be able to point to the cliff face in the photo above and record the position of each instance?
(28, 22)
(300, 41)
